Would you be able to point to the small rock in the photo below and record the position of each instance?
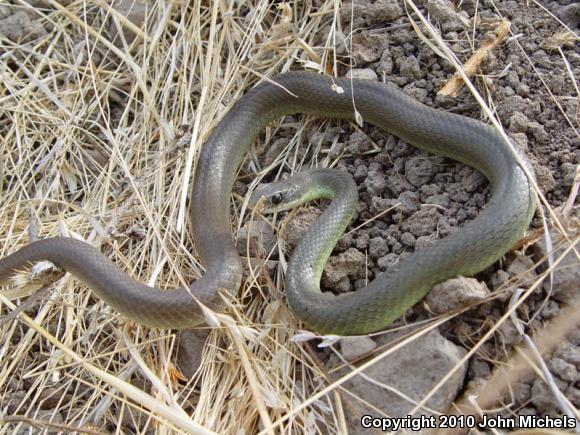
(569, 173)
(545, 178)
(133, 10)
(19, 27)
(419, 171)
(569, 353)
(389, 260)
(570, 15)
(512, 104)
(51, 416)
(363, 73)
(252, 266)
(336, 150)
(409, 202)
(384, 11)
(342, 46)
(551, 309)
(367, 47)
(190, 349)
(425, 241)
(398, 185)
(359, 143)
(443, 11)
(378, 247)
(564, 370)
(540, 58)
(408, 239)
(573, 394)
(522, 392)
(567, 274)
(342, 286)
(441, 199)
(14, 401)
(415, 92)
(349, 264)
(410, 68)
(471, 180)
(51, 397)
(510, 336)
(378, 204)
(542, 397)
(520, 140)
(538, 131)
(361, 172)
(522, 267)
(262, 239)
(362, 240)
(356, 12)
(299, 224)
(352, 348)
(423, 362)
(456, 293)
(423, 222)
(522, 89)
(518, 123)
(375, 181)
(479, 369)
(385, 66)
(430, 189)
(273, 151)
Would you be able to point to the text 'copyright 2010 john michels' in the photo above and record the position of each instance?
(466, 422)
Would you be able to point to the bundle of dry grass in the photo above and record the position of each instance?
(101, 122)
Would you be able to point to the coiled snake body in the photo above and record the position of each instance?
(466, 251)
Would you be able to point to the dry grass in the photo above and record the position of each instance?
(99, 142)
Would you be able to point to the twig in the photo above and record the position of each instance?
(455, 83)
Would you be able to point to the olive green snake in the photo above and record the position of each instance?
(466, 251)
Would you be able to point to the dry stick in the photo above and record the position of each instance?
(194, 146)
(518, 366)
(573, 193)
(456, 82)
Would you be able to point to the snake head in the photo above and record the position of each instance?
(277, 196)
(298, 189)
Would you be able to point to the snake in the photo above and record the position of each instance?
(466, 251)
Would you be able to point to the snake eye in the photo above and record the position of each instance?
(276, 198)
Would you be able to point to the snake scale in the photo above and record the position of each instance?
(464, 252)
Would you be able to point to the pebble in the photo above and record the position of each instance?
(353, 348)
(424, 362)
(456, 293)
(419, 171)
(363, 73)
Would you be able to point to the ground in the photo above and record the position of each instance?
(103, 112)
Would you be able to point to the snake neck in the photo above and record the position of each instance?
(314, 249)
